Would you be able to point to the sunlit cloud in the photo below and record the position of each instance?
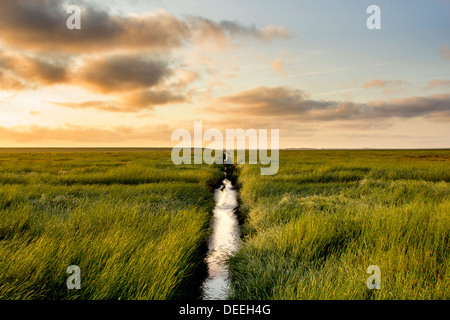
(123, 73)
(445, 52)
(278, 66)
(388, 86)
(438, 83)
(83, 134)
(24, 71)
(286, 102)
(40, 25)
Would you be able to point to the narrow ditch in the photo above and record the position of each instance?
(224, 239)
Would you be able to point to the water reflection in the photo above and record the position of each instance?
(223, 242)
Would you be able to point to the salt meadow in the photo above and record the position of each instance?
(313, 230)
(137, 225)
(134, 223)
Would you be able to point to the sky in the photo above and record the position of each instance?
(139, 69)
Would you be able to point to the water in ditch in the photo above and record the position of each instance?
(224, 241)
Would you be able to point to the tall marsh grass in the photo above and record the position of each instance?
(134, 223)
(312, 230)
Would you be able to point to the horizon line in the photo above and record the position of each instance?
(170, 148)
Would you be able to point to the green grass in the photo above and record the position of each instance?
(134, 223)
(312, 230)
(137, 225)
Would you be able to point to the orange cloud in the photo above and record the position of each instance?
(445, 52)
(10, 83)
(131, 102)
(278, 65)
(388, 86)
(20, 71)
(271, 32)
(437, 83)
(123, 73)
(81, 134)
(149, 98)
(132, 75)
(41, 25)
(289, 103)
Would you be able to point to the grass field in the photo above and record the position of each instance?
(137, 225)
(134, 223)
(312, 230)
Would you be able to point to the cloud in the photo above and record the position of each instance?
(289, 103)
(45, 71)
(184, 77)
(10, 83)
(19, 72)
(41, 25)
(132, 102)
(149, 98)
(272, 32)
(91, 104)
(381, 83)
(267, 33)
(437, 83)
(388, 86)
(445, 52)
(133, 82)
(82, 134)
(123, 73)
(115, 55)
(278, 65)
